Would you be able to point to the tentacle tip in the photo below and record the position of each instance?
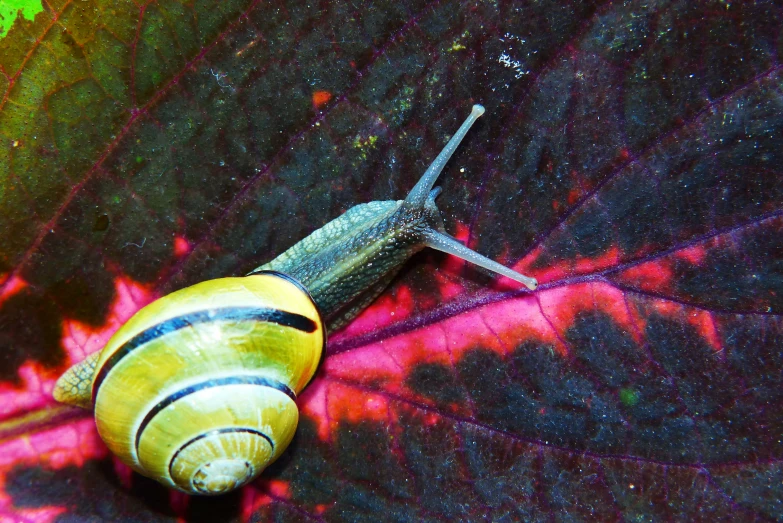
(532, 284)
(478, 110)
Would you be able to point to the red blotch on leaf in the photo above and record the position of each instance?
(9, 286)
(330, 403)
(65, 445)
(387, 309)
(81, 340)
(124, 473)
(701, 320)
(345, 387)
(179, 501)
(694, 255)
(588, 265)
(430, 419)
(34, 393)
(704, 323)
(37, 515)
(56, 448)
(561, 306)
(569, 268)
(494, 326)
(181, 246)
(262, 493)
(321, 98)
(656, 274)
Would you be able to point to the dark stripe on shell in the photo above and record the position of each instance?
(294, 281)
(260, 314)
(219, 382)
(215, 433)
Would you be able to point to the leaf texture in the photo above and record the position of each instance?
(630, 159)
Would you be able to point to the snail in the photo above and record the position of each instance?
(197, 390)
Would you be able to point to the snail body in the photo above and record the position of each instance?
(197, 390)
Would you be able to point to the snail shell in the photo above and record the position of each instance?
(198, 389)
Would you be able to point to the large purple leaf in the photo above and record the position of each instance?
(629, 159)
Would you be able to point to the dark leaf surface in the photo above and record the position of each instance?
(629, 159)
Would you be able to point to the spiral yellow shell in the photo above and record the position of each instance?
(198, 389)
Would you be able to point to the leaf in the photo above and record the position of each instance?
(630, 160)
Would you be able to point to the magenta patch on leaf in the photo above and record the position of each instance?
(179, 501)
(10, 286)
(561, 305)
(344, 390)
(329, 403)
(348, 389)
(123, 471)
(30, 515)
(560, 269)
(261, 494)
(495, 326)
(701, 320)
(695, 255)
(656, 274)
(81, 340)
(181, 246)
(449, 287)
(34, 392)
(70, 444)
(386, 310)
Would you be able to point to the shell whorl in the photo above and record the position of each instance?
(250, 424)
(198, 389)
